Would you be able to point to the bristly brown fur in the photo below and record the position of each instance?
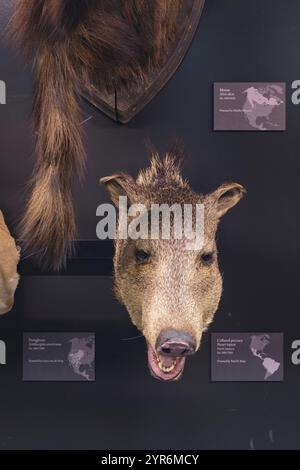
(162, 172)
(49, 224)
(110, 43)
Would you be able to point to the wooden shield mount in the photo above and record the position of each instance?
(122, 105)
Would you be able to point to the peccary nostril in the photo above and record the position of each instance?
(165, 350)
(175, 343)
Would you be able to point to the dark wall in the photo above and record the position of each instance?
(258, 244)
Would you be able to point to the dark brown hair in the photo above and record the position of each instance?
(109, 43)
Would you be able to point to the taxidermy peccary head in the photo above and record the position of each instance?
(9, 258)
(109, 44)
(170, 292)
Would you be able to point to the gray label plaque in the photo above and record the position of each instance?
(249, 106)
(247, 357)
(59, 357)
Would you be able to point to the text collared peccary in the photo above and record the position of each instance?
(171, 293)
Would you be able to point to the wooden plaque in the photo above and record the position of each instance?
(121, 105)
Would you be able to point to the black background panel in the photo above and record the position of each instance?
(258, 243)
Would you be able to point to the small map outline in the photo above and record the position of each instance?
(81, 356)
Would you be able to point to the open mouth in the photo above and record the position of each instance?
(163, 367)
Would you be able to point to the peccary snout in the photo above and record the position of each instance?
(174, 343)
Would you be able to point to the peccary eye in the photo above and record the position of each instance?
(207, 258)
(141, 256)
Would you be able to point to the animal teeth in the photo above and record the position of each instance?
(165, 368)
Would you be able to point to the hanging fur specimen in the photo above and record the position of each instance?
(9, 259)
(107, 45)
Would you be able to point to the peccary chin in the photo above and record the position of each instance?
(171, 293)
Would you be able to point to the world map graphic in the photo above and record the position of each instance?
(257, 345)
(260, 104)
(82, 356)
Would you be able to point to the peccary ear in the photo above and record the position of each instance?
(118, 185)
(226, 196)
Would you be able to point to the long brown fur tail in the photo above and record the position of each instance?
(48, 225)
(110, 43)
